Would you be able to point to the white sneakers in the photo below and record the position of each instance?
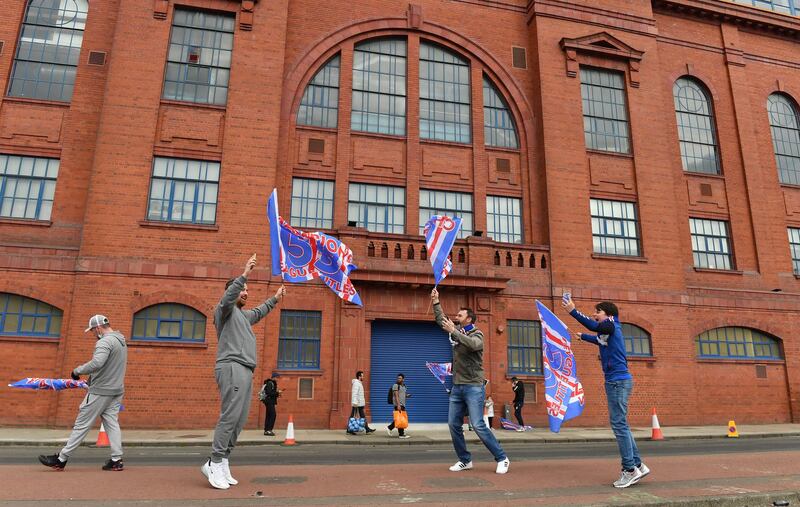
(628, 478)
(459, 466)
(226, 472)
(215, 473)
(502, 466)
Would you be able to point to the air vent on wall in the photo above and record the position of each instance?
(97, 58)
(761, 371)
(316, 146)
(518, 57)
(2, 43)
(305, 389)
(705, 189)
(503, 165)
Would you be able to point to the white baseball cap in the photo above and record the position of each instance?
(97, 320)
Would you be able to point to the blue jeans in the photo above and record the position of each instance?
(468, 400)
(618, 393)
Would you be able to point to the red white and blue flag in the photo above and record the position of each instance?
(49, 384)
(563, 391)
(440, 235)
(440, 370)
(301, 256)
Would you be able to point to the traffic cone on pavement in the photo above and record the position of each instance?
(732, 431)
(289, 440)
(657, 435)
(102, 437)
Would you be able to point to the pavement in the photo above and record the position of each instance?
(421, 434)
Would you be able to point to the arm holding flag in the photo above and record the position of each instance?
(601, 328)
(101, 351)
(267, 306)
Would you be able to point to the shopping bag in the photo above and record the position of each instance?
(400, 419)
(353, 425)
(362, 424)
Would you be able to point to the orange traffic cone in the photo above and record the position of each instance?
(657, 435)
(732, 431)
(289, 440)
(102, 437)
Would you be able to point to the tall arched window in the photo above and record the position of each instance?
(319, 106)
(444, 95)
(379, 87)
(169, 322)
(48, 49)
(785, 125)
(22, 316)
(737, 343)
(696, 131)
(498, 124)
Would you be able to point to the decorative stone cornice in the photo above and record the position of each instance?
(744, 16)
(161, 7)
(603, 45)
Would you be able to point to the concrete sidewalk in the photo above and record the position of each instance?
(421, 434)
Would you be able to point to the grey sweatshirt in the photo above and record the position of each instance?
(107, 367)
(467, 353)
(236, 341)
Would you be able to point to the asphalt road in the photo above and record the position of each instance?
(318, 454)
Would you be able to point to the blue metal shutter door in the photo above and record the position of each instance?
(405, 347)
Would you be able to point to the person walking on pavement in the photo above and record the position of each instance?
(358, 401)
(519, 401)
(106, 372)
(469, 389)
(269, 396)
(236, 360)
(618, 382)
(399, 395)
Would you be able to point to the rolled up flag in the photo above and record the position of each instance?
(49, 384)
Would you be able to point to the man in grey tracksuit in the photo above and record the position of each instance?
(106, 382)
(236, 360)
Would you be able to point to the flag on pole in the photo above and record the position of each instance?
(440, 235)
(440, 370)
(51, 384)
(301, 256)
(563, 391)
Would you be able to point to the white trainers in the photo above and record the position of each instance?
(643, 470)
(226, 472)
(404, 436)
(388, 431)
(460, 465)
(502, 466)
(214, 474)
(628, 478)
(520, 429)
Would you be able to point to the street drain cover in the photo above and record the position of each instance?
(289, 479)
(457, 482)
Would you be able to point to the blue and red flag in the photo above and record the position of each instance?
(49, 384)
(563, 391)
(440, 235)
(301, 256)
(440, 370)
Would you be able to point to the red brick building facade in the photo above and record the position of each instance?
(681, 219)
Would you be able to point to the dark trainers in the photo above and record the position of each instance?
(113, 466)
(52, 462)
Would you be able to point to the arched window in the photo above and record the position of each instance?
(785, 125)
(22, 316)
(379, 87)
(696, 131)
(48, 49)
(498, 124)
(637, 340)
(169, 322)
(737, 343)
(444, 95)
(319, 106)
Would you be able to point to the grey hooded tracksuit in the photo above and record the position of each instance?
(236, 360)
(106, 387)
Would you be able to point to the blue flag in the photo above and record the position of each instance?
(301, 256)
(52, 384)
(563, 391)
(440, 235)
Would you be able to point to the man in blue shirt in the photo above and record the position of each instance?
(618, 382)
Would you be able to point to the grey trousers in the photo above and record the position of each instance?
(235, 383)
(92, 407)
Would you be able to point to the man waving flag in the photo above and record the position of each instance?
(563, 391)
(440, 235)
